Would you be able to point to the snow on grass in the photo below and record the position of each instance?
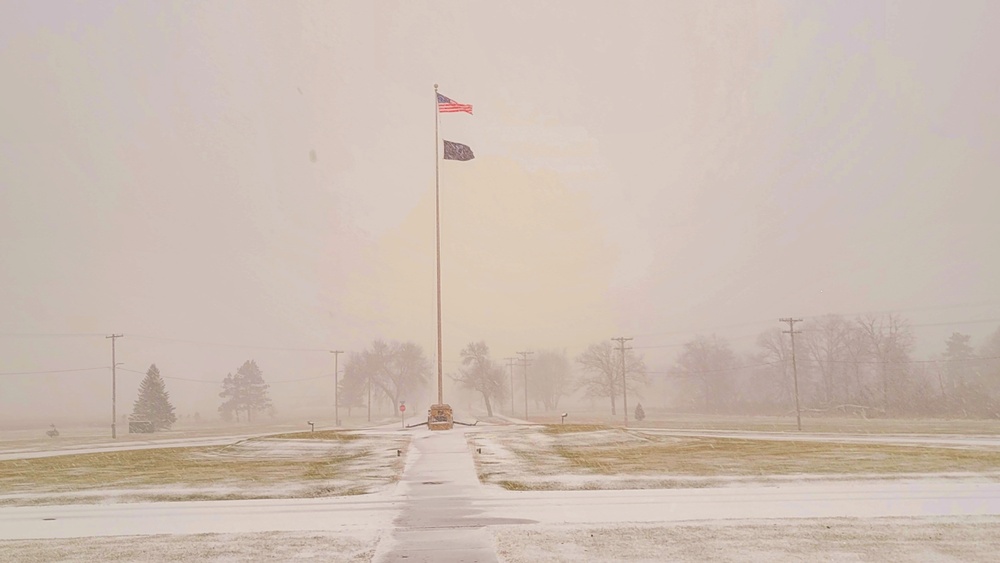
(291, 466)
(831, 539)
(600, 457)
(356, 546)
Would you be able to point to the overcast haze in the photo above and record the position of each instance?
(200, 175)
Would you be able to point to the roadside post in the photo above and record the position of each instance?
(402, 413)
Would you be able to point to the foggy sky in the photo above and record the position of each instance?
(648, 169)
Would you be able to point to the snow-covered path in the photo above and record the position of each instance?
(438, 520)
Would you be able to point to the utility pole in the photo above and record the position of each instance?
(336, 386)
(114, 387)
(510, 364)
(621, 340)
(525, 362)
(795, 374)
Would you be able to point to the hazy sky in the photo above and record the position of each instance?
(645, 168)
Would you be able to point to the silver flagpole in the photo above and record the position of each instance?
(437, 227)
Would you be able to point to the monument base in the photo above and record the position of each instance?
(439, 417)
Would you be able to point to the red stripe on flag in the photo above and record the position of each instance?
(454, 107)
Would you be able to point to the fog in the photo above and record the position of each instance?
(219, 182)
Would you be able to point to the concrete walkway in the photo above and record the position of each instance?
(438, 521)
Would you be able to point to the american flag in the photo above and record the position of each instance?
(448, 105)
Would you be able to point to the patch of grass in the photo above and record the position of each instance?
(515, 486)
(740, 457)
(616, 458)
(556, 429)
(255, 468)
(204, 465)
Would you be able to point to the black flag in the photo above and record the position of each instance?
(457, 151)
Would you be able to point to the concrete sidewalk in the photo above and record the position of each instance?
(438, 521)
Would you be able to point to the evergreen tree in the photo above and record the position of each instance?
(640, 414)
(244, 392)
(153, 403)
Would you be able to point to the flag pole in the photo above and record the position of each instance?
(437, 238)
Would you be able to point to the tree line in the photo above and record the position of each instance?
(862, 365)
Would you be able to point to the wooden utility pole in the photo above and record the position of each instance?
(114, 387)
(795, 374)
(621, 340)
(336, 386)
(525, 362)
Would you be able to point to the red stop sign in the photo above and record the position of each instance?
(402, 408)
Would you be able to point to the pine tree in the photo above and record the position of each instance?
(244, 392)
(153, 403)
(640, 414)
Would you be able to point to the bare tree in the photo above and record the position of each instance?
(399, 369)
(602, 372)
(390, 371)
(958, 369)
(826, 342)
(354, 384)
(481, 373)
(776, 379)
(551, 376)
(712, 363)
(891, 340)
(988, 369)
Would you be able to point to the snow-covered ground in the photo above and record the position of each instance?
(757, 541)
(932, 440)
(931, 518)
(277, 547)
(530, 458)
(267, 467)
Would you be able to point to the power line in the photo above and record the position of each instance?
(219, 381)
(173, 377)
(845, 315)
(876, 362)
(970, 322)
(681, 344)
(677, 373)
(50, 335)
(228, 345)
(51, 371)
(704, 330)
